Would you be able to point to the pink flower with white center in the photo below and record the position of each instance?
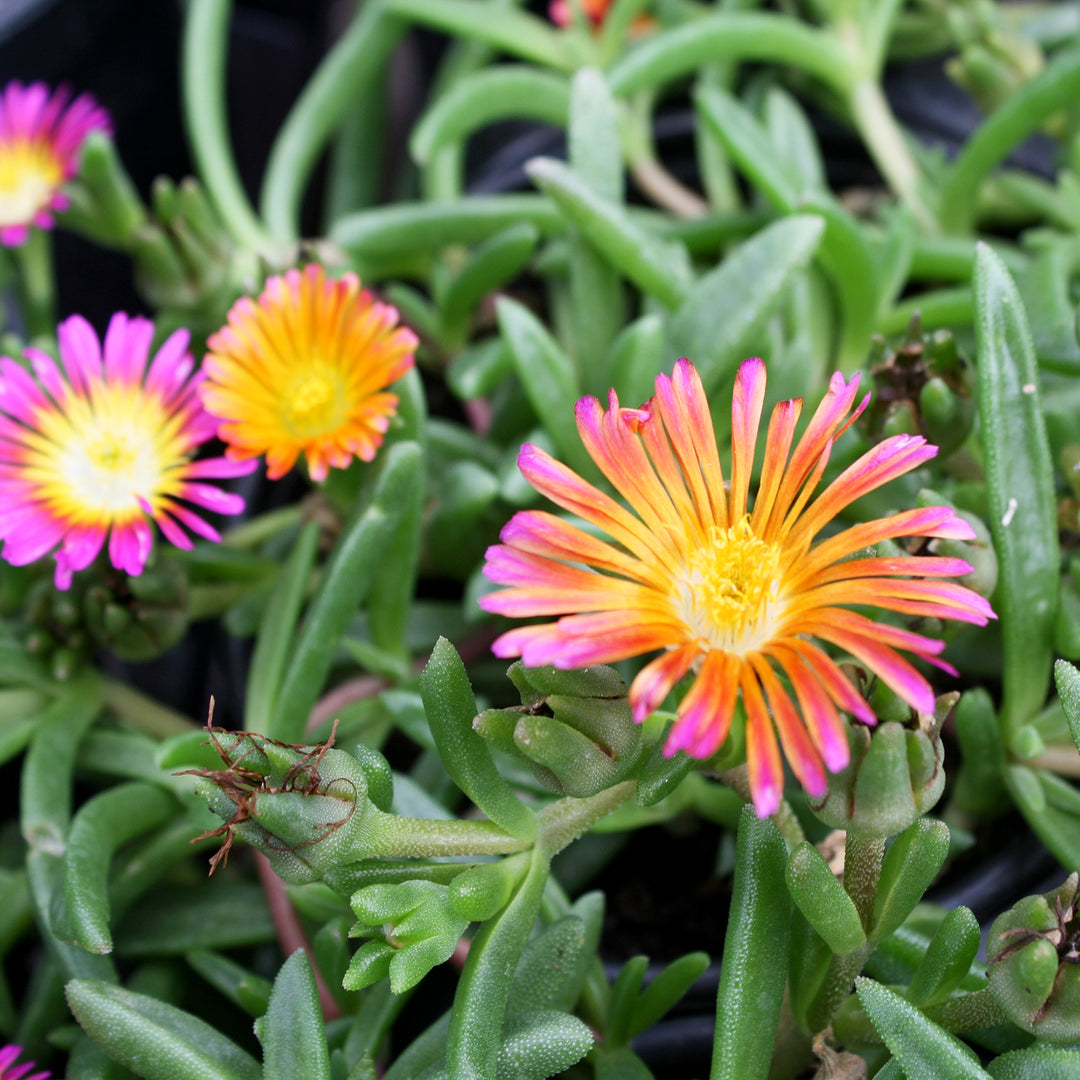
(41, 135)
(98, 446)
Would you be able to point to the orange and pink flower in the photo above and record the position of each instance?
(40, 139)
(95, 448)
(732, 590)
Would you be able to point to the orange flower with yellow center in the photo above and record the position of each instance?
(303, 370)
(730, 590)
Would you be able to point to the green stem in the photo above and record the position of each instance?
(203, 66)
(1055, 87)
(143, 713)
(971, 1012)
(862, 872)
(734, 36)
(836, 987)
(37, 283)
(393, 837)
(476, 1024)
(264, 527)
(883, 138)
(564, 821)
(340, 81)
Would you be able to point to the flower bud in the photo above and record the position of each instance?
(574, 729)
(896, 771)
(1034, 971)
(923, 386)
(105, 202)
(305, 807)
(414, 927)
(140, 617)
(54, 630)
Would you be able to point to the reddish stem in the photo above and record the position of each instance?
(290, 933)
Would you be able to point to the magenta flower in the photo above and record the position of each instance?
(10, 1071)
(40, 139)
(93, 447)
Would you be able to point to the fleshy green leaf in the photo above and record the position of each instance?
(540, 1044)
(1019, 487)
(1037, 1063)
(500, 92)
(291, 1031)
(178, 920)
(154, 1040)
(948, 959)
(755, 954)
(103, 824)
(547, 374)
(507, 29)
(277, 630)
(921, 1047)
(451, 707)
(1068, 687)
(346, 580)
(659, 267)
(726, 310)
(821, 898)
(910, 865)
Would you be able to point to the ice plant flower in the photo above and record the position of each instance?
(40, 138)
(303, 370)
(95, 446)
(731, 591)
(561, 14)
(10, 1071)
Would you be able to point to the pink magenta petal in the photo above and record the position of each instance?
(705, 712)
(129, 546)
(20, 396)
(81, 546)
(80, 352)
(127, 348)
(799, 749)
(746, 405)
(195, 523)
(173, 533)
(657, 678)
(170, 366)
(762, 753)
(220, 468)
(221, 502)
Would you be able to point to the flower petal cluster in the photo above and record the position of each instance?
(10, 1071)
(732, 591)
(303, 370)
(41, 135)
(93, 447)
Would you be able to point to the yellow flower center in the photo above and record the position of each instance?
(29, 175)
(96, 460)
(314, 405)
(728, 594)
